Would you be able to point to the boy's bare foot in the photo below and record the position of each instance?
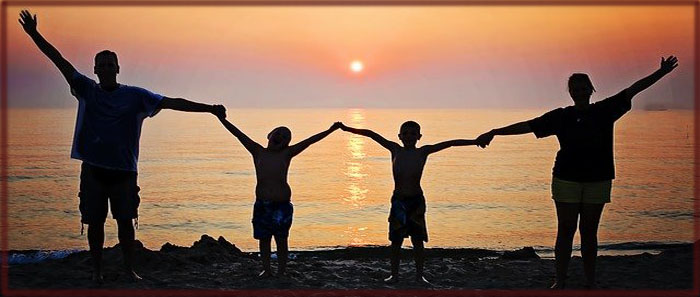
(392, 279)
(133, 277)
(558, 285)
(97, 278)
(265, 274)
(422, 281)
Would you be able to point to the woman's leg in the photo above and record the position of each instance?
(567, 219)
(590, 218)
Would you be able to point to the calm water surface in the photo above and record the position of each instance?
(196, 178)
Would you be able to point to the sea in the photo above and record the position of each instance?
(196, 178)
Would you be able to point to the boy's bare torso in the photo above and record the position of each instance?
(271, 169)
(407, 168)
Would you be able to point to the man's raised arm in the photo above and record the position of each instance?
(29, 24)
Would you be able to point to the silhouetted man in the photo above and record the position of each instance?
(106, 139)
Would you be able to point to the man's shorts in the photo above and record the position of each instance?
(97, 185)
(581, 192)
(407, 218)
(272, 218)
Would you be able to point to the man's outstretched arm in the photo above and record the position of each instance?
(387, 144)
(29, 24)
(187, 105)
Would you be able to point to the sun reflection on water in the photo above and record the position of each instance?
(356, 188)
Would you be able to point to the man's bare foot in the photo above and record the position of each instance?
(97, 278)
(558, 285)
(265, 274)
(392, 279)
(422, 281)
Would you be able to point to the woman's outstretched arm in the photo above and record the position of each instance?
(514, 129)
(667, 65)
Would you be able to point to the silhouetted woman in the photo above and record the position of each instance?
(583, 169)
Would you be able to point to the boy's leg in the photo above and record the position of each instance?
(96, 239)
(265, 256)
(418, 257)
(567, 219)
(282, 254)
(126, 241)
(395, 260)
(590, 217)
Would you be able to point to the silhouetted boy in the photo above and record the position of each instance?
(407, 215)
(272, 213)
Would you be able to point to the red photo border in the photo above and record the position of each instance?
(4, 270)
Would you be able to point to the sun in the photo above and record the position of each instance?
(356, 66)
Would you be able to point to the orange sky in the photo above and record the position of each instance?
(449, 51)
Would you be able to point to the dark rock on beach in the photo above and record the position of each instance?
(525, 253)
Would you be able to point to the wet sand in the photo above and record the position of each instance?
(217, 264)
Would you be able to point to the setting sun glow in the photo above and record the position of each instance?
(356, 66)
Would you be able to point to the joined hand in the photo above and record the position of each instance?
(219, 111)
(484, 139)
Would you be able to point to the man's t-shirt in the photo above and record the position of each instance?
(585, 138)
(108, 127)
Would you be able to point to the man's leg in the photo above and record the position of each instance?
(282, 254)
(590, 217)
(124, 197)
(126, 241)
(96, 239)
(567, 219)
(93, 212)
(265, 247)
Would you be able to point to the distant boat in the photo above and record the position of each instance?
(655, 107)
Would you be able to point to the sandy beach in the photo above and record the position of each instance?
(218, 264)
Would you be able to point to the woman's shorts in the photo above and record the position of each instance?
(581, 192)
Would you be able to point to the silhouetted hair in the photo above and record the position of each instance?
(107, 53)
(410, 124)
(580, 77)
(283, 128)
